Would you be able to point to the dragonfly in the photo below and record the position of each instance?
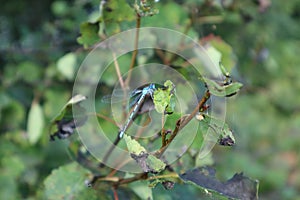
(139, 96)
(142, 94)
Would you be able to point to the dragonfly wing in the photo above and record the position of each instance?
(115, 97)
(111, 99)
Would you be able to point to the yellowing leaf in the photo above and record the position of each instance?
(164, 99)
(146, 161)
(133, 146)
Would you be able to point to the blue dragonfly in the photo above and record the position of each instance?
(141, 101)
(141, 94)
(139, 97)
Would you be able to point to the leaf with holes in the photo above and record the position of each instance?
(238, 187)
(68, 182)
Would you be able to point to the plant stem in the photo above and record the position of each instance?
(117, 67)
(183, 122)
(105, 118)
(196, 110)
(141, 176)
(110, 150)
(170, 175)
(163, 133)
(115, 193)
(135, 52)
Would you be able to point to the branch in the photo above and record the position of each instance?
(183, 122)
(135, 52)
(117, 67)
(141, 176)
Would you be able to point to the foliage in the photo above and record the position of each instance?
(256, 41)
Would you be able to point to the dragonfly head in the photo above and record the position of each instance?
(152, 86)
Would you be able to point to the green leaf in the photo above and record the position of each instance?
(133, 146)
(219, 51)
(171, 15)
(142, 189)
(68, 182)
(222, 90)
(35, 123)
(145, 8)
(232, 88)
(170, 121)
(66, 65)
(228, 58)
(66, 121)
(89, 34)
(213, 53)
(67, 109)
(147, 162)
(238, 187)
(154, 164)
(164, 98)
(220, 128)
(12, 167)
(161, 100)
(118, 11)
(214, 88)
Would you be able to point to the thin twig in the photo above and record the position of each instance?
(170, 175)
(135, 52)
(162, 56)
(110, 150)
(196, 110)
(116, 169)
(163, 133)
(141, 176)
(115, 193)
(117, 67)
(105, 118)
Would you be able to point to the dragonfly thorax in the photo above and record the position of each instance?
(149, 90)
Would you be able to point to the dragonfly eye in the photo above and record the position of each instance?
(152, 86)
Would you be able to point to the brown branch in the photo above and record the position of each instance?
(117, 67)
(135, 52)
(183, 122)
(196, 110)
(163, 132)
(141, 176)
(105, 118)
(115, 193)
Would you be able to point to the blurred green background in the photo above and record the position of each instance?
(265, 117)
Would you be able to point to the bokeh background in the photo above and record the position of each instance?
(264, 36)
